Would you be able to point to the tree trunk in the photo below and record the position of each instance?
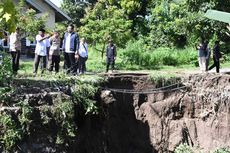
(103, 50)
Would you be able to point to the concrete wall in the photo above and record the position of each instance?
(50, 23)
(46, 9)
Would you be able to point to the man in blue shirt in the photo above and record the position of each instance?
(70, 47)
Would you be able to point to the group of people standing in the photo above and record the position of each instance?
(48, 50)
(75, 51)
(204, 53)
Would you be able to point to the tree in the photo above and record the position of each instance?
(182, 22)
(137, 11)
(30, 23)
(8, 17)
(8, 21)
(12, 16)
(106, 21)
(76, 9)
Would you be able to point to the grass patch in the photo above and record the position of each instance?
(138, 58)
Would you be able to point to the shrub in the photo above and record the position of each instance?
(10, 133)
(5, 70)
(137, 53)
(133, 52)
(222, 150)
(170, 60)
(183, 148)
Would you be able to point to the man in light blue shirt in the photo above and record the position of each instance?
(83, 56)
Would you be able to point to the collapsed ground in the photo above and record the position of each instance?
(119, 113)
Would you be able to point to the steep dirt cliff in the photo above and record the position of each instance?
(197, 114)
(136, 115)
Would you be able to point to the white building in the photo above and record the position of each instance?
(55, 14)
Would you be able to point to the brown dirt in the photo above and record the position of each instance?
(198, 115)
(159, 122)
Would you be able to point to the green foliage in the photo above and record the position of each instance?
(10, 133)
(76, 9)
(8, 18)
(138, 53)
(136, 11)
(171, 23)
(84, 93)
(106, 21)
(131, 5)
(12, 16)
(6, 73)
(63, 114)
(30, 23)
(25, 118)
(181, 23)
(183, 148)
(161, 79)
(222, 150)
(61, 28)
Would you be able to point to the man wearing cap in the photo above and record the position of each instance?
(111, 54)
(41, 50)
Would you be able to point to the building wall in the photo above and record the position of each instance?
(50, 23)
(46, 9)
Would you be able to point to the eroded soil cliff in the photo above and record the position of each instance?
(136, 115)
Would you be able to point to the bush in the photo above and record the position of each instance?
(10, 133)
(183, 148)
(5, 70)
(170, 60)
(138, 54)
(132, 52)
(222, 150)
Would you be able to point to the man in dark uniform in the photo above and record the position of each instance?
(216, 57)
(111, 54)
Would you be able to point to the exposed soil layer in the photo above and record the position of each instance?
(131, 120)
(147, 123)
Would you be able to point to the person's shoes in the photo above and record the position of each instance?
(34, 74)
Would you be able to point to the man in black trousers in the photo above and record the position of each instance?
(15, 49)
(111, 54)
(216, 57)
(70, 47)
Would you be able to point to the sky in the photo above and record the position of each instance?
(56, 2)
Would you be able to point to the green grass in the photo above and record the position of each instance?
(95, 64)
(26, 67)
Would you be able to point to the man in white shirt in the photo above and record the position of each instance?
(41, 50)
(15, 49)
